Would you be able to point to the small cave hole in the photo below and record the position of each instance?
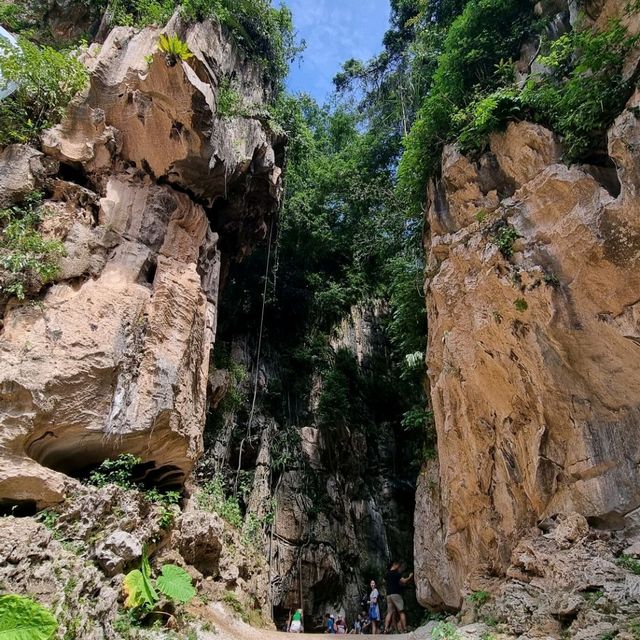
(73, 172)
(603, 170)
(611, 521)
(148, 271)
(18, 508)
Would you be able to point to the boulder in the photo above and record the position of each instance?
(117, 551)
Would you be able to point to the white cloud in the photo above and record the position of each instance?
(335, 30)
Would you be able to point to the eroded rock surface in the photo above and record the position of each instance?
(73, 560)
(532, 353)
(157, 192)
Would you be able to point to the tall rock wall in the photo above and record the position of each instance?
(532, 357)
(152, 193)
(340, 503)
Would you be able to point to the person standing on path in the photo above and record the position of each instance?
(296, 622)
(395, 602)
(374, 609)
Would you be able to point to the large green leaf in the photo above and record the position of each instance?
(139, 590)
(175, 583)
(23, 619)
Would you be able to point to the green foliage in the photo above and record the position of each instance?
(229, 100)
(551, 279)
(118, 471)
(481, 216)
(211, 497)
(479, 598)
(285, 449)
(473, 93)
(47, 80)
(483, 116)
(505, 237)
(142, 594)
(629, 563)
(585, 90)
(139, 591)
(50, 519)
(141, 13)
(28, 260)
(168, 502)
(521, 305)
(231, 600)
(445, 631)
(174, 49)
(17, 18)
(477, 43)
(24, 619)
(175, 583)
(263, 31)
(593, 596)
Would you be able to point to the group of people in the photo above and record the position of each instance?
(370, 619)
(396, 618)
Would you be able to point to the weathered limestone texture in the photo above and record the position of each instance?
(156, 193)
(533, 351)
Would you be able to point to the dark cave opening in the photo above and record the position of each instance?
(18, 508)
(78, 458)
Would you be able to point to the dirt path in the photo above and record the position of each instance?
(229, 628)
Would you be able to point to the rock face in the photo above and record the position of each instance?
(343, 503)
(532, 351)
(156, 193)
(54, 561)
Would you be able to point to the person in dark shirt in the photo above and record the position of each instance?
(329, 623)
(395, 602)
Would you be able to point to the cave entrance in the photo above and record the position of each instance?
(18, 508)
(79, 457)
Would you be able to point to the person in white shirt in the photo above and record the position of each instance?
(374, 609)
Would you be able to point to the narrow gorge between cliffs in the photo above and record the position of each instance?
(255, 347)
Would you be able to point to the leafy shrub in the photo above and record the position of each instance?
(473, 53)
(28, 260)
(229, 100)
(285, 449)
(47, 80)
(629, 563)
(479, 598)
(174, 49)
(24, 619)
(168, 502)
(142, 593)
(141, 13)
(118, 471)
(483, 116)
(211, 497)
(445, 631)
(505, 237)
(521, 305)
(585, 90)
(17, 18)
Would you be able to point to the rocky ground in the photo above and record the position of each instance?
(73, 559)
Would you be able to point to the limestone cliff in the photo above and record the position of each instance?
(340, 504)
(532, 289)
(153, 193)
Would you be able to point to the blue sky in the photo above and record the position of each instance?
(335, 30)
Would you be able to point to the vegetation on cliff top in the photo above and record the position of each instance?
(263, 31)
(46, 80)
